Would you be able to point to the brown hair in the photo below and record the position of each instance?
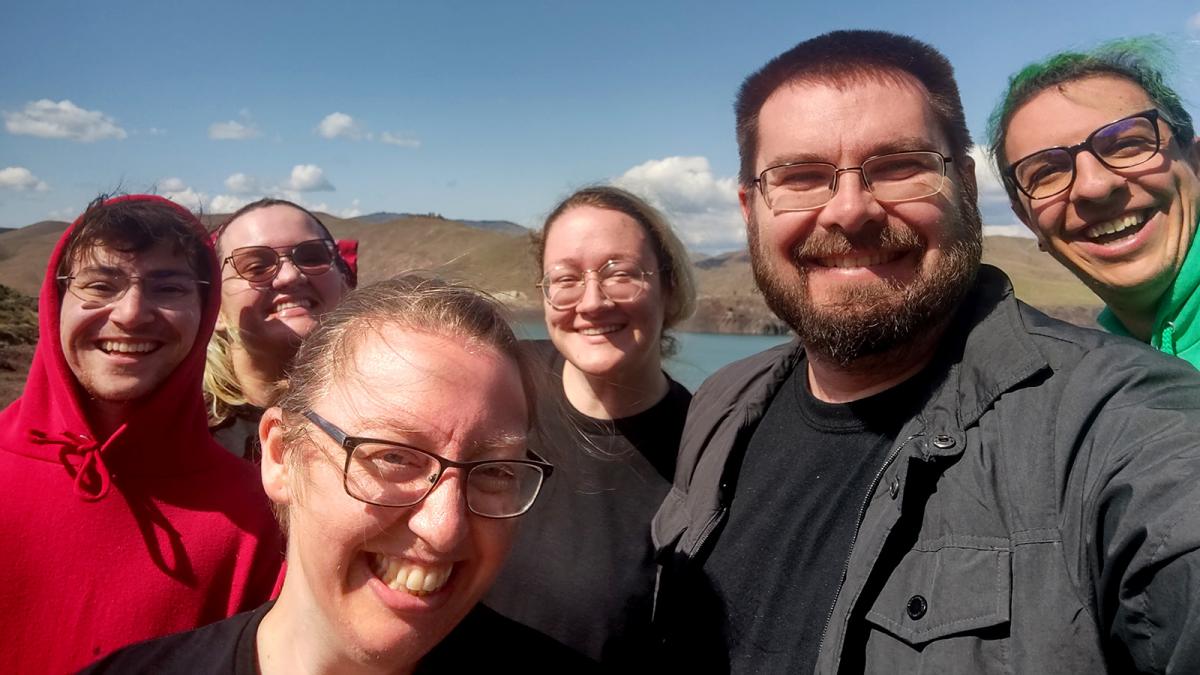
(674, 265)
(135, 224)
(846, 56)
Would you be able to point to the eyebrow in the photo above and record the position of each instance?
(891, 145)
(111, 271)
(412, 437)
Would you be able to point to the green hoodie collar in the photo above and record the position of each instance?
(1177, 321)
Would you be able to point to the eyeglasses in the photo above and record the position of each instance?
(98, 288)
(260, 264)
(620, 281)
(387, 473)
(894, 177)
(1123, 144)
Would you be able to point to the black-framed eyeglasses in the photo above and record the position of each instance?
(98, 288)
(620, 281)
(1122, 144)
(893, 177)
(260, 264)
(388, 473)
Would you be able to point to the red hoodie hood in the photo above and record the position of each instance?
(165, 432)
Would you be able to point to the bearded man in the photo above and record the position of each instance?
(934, 477)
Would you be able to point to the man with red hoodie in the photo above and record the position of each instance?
(122, 519)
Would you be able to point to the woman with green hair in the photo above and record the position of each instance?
(1101, 162)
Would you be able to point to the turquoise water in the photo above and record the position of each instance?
(699, 355)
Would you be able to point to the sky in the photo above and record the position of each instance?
(472, 110)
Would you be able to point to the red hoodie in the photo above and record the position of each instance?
(107, 541)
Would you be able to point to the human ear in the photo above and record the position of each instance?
(744, 199)
(277, 476)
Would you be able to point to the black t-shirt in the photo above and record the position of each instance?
(481, 642)
(582, 568)
(762, 595)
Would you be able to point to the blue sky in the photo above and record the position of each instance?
(476, 110)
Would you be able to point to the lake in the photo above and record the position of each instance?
(699, 355)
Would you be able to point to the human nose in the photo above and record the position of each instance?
(594, 297)
(1094, 181)
(288, 272)
(132, 308)
(442, 519)
(853, 205)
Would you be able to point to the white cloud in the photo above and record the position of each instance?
(397, 139)
(21, 179)
(993, 199)
(340, 125)
(241, 184)
(702, 207)
(155, 131)
(172, 185)
(180, 193)
(232, 130)
(227, 203)
(353, 211)
(308, 178)
(47, 119)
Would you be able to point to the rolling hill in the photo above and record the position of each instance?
(500, 261)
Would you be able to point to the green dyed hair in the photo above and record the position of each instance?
(1141, 60)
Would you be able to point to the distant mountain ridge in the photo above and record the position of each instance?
(495, 225)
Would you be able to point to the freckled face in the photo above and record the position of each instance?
(1124, 232)
(272, 317)
(599, 336)
(358, 564)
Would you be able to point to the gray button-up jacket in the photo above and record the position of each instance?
(1040, 515)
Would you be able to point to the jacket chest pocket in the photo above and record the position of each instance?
(938, 591)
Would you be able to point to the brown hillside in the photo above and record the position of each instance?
(500, 262)
(24, 252)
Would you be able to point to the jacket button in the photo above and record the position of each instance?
(894, 488)
(917, 606)
(943, 441)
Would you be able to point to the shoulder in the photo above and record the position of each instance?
(214, 648)
(753, 377)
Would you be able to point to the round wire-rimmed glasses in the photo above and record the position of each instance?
(892, 177)
(1121, 144)
(261, 264)
(388, 473)
(620, 281)
(98, 288)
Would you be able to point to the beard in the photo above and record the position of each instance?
(878, 318)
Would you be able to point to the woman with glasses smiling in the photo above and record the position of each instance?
(614, 278)
(398, 462)
(280, 271)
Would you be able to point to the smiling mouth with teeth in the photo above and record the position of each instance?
(599, 330)
(293, 304)
(848, 262)
(113, 346)
(1116, 228)
(414, 579)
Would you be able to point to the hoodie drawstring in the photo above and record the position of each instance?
(83, 458)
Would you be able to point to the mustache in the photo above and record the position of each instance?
(824, 243)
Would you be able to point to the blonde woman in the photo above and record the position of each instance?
(280, 271)
(398, 461)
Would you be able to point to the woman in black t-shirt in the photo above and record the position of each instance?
(614, 278)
